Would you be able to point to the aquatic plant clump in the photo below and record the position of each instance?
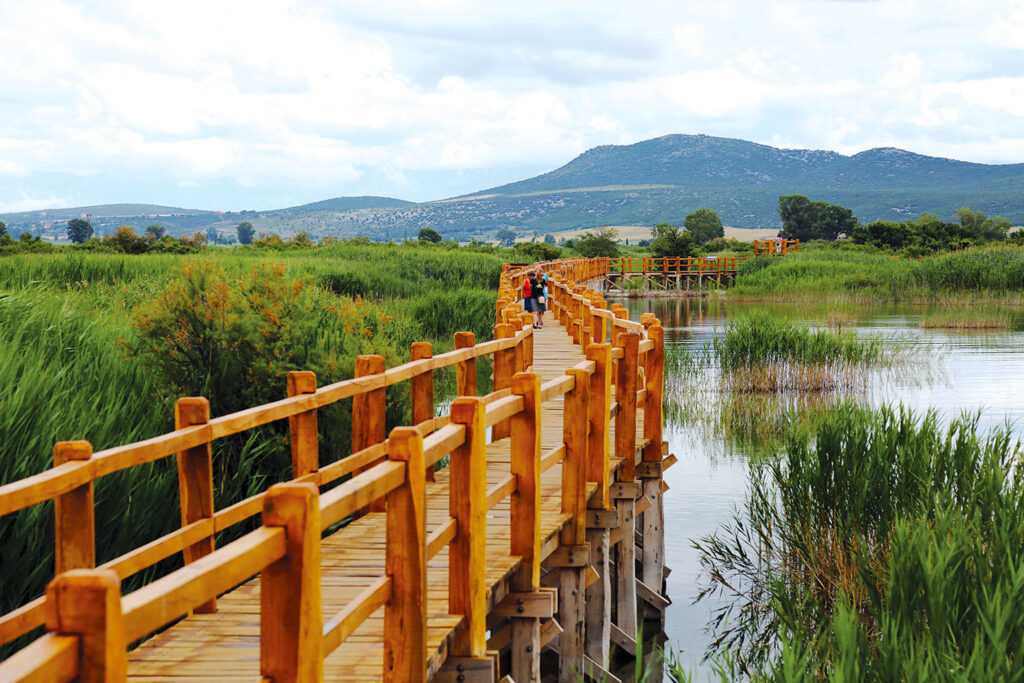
(882, 547)
(762, 353)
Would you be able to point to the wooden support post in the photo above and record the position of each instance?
(625, 448)
(74, 527)
(572, 586)
(302, 428)
(405, 614)
(587, 326)
(598, 599)
(422, 389)
(653, 559)
(87, 603)
(527, 343)
(525, 522)
(291, 625)
(465, 371)
(467, 587)
(195, 482)
(598, 460)
(369, 411)
(504, 369)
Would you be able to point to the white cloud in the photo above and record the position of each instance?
(155, 101)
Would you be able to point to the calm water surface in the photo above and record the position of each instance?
(951, 372)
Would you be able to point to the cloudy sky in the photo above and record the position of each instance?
(217, 104)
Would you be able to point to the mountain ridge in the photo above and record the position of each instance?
(647, 182)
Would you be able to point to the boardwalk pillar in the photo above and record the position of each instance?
(465, 371)
(598, 594)
(291, 625)
(405, 614)
(651, 468)
(195, 482)
(467, 589)
(504, 369)
(572, 582)
(369, 410)
(625, 449)
(302, 428)
(525, 523)
(87, 603)
(422, 389)
(74, 527)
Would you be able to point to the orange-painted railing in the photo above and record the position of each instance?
(90, 623)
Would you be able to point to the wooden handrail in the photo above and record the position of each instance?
(285, 550)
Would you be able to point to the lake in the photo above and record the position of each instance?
(948, 371)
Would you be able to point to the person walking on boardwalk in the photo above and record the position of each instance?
(542, 298)
(529, 303)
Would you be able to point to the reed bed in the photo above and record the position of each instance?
(967, 320)
(884, 547)
(761, 353)
(98, 347)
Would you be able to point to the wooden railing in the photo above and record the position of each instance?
(90, 623)
(779, 247)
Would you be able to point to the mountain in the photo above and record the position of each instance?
(652, 181)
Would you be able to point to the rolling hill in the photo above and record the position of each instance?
(652, 181)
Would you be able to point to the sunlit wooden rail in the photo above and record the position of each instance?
(528, 541)
(678, 273)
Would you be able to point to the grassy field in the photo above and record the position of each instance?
(98, 347)
(994, 273)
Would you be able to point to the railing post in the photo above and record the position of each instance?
(74, 514)
(504, 369)
(405, 614)
(467, 552)
(598, 595)
(87, 603)
(369, 410)
(572, 584)
(465, 371)
(625, 449)
(525, 522)
(527, 342)
(291, 625)
(422, 389)
(195, 482)
(302, 428)
(653, 519)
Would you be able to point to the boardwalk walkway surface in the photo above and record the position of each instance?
(226, 645)
(541, 537)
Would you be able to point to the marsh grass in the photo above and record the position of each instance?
(762, 353)
(973, 319)
(98, 347)
(885, 547)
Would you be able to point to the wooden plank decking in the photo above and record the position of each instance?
(225, 646)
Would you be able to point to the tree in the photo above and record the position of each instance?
(976, 225)
(506, 237)
(127, 241)
(539, 251)
(594, 244)
(245, 232)
(212, 236)
(428, 234)
(805, 220)
(671, 241)
(4, 237)
(79, 230)
(704, 225)
(549, 239)
(155, 231)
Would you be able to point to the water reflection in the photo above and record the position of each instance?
(715, 436)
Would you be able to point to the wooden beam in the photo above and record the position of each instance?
(195, 482)
(465, 371)
(569, 556)
(422, 389)
(539, 604)
(87, 603)
(405, 613)
(623, 640)
(74, 527)
(302, 428)
(291, 625)
(651, 596)
(369, 411)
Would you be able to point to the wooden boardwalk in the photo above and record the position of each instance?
(542, 534)
(228, 641)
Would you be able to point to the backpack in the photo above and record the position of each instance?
(527, 289)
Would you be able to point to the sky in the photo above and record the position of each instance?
(258, 105)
